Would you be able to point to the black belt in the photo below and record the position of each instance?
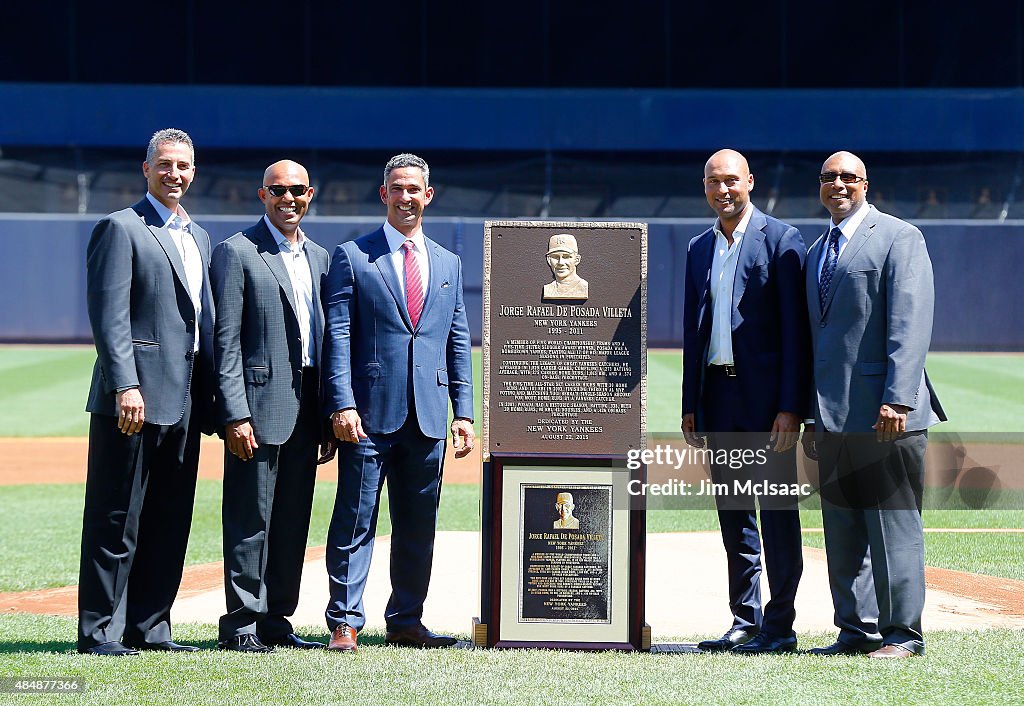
(727, 370)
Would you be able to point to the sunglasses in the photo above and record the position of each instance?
(278, 191)
(845, 177)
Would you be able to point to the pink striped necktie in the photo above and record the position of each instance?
(413, 284)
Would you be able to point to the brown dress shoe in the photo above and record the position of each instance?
(891, 652)
(343, 639)
(417, 636)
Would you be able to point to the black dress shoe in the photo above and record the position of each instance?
(246, 642)
(165, 646)
(733, 637)
(843, 648)
(294, 642)
(417, 636)
(765, 644)
(109, 649)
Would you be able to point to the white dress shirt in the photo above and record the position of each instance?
(848, 226)
(723, 276)
(297, 264)
(178, 225)
(419, 251)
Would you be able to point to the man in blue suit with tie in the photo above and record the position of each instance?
(871, 298)
(745, 386)
(396, 349)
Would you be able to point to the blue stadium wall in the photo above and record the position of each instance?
(978, 306)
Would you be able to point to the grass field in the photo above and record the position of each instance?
(970, 668)
(42, 393)
(43, 390)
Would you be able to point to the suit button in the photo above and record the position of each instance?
(822, 324)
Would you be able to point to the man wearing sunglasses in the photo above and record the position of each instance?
(870, 298)
(151, 312)
(745, 382)
(397, 349)
(267, 345)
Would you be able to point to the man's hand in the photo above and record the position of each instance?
(348, 426)
(891, 422)
(132, 411)
(785, 431)
(463, 437)
(241, 439)
(328, 448)
(810, 450)
(691, 437)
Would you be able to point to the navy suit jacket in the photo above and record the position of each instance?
(258, 346)
(143, 319)
(374, 357)
(770, 337)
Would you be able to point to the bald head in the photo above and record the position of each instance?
(730, 160)
(727, 186)
(849, 161)
(287, 209)
(285, 168)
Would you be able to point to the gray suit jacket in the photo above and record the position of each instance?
(257, 345)
(142, 316)
(871, 338)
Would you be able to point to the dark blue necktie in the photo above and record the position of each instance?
(829, 268)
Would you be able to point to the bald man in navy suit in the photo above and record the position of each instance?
(745, 381)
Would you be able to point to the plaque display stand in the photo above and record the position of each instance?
(563, 542)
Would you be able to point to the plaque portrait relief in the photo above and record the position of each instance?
(563, 258)
(564, 507)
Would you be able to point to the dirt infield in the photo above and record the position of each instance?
(62, 460)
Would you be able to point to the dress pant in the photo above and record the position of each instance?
(871, 510)
(412, 464)
(737, 515)
(266, 510)
(139, 495)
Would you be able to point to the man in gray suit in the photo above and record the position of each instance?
(267, 347)
(151, 313)
(870, 297)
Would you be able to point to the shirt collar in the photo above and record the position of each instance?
(165, 213)
(395, 239)
(281, 240)
(851, 223)
(741, 227)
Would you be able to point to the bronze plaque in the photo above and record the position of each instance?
(567, 561)
(565, 337)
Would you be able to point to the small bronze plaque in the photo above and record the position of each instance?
(565, 337)
(567, 561)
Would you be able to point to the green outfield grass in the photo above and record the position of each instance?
(968, 668)
(43, 390)
(39, 518)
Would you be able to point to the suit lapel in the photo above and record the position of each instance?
(152, 219)
(269, 250)
(813, 258)
(705, 254)
(381, 255)
(316, 271)
(749, 247)
(860, 237)
(434, 277)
